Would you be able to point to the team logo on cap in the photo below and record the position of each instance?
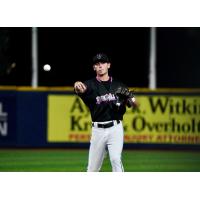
(99, 56)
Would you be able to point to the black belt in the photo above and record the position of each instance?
(107, 125)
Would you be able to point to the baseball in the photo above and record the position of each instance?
(47, 67)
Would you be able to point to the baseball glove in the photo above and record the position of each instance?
(124, 96)
(124, 93)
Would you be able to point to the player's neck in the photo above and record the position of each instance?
(104, 77)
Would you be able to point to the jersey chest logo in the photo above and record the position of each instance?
(105, 98)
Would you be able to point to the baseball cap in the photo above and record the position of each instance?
(100, 57)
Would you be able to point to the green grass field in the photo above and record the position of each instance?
(63, 160)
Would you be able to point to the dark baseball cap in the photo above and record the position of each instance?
(101, 57)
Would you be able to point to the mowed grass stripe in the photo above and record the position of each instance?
(162, 161)
(42, 160)
(76, 161)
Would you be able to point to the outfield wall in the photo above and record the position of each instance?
(55, 117)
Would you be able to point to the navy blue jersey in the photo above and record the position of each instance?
(100, 99)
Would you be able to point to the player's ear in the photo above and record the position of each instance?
(94, 67)
(109, 65)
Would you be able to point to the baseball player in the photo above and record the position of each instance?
(107, 99)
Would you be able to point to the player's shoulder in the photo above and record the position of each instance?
(90, 83)
(118, 82)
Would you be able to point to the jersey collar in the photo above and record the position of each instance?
(110, 79)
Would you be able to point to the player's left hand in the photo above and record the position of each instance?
(124, 92)
(127, 96)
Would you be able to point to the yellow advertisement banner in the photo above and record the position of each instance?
(159, 119)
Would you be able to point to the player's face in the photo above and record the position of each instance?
(101, 68)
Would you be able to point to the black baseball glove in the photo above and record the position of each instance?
(124, 96)
(124, 93)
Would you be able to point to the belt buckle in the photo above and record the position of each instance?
(108, 125)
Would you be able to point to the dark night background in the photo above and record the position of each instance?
(69, 51)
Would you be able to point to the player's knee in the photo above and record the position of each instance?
(116, 160)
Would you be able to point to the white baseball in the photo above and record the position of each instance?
(47, 67)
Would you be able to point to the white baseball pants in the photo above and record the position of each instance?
(113, 139)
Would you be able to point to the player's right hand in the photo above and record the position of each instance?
(79, 87)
